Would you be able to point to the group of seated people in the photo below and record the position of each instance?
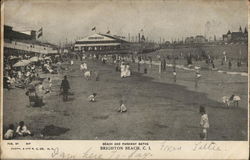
(18, 78)
(48, 67)
(21, 130)
(22, 76)
(36, 91)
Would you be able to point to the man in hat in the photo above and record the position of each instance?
(65, 87)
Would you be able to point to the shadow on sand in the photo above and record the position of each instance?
(52, 130)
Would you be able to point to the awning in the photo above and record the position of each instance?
(22, 63)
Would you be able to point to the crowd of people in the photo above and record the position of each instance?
(25, 72)
(28, 77)
(121, 64)
(26, 69)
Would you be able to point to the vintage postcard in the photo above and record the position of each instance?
(127, 79)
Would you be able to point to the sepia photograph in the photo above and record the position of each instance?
(125, 70)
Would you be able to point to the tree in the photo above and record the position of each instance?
(245, 30)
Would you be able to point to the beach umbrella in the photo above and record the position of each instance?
(33, 59)
(40, 58)
(47, 58)
(21, 63)
(14, 58)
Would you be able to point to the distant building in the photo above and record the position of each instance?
(100, 43)
(11, 34)
(16, 42)
(235, 36)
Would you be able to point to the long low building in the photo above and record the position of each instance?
(100, 42)
(29, 46)
(16, 42)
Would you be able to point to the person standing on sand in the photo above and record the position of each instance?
(65, 87)
(150, 62)
(229, 64)
(81, 67)
(197, 78)
(164, 64)
(175, 74)
(49, 85)
(139, 64)
(204, 123)
(160, 67)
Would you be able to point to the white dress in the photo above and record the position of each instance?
(128, 72)
(123, 108)
(9, 134)
(204, 121)
(81, 67)
(123, 70)
(85, 66)
(22, 131)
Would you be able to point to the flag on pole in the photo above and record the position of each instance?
(143, 38)
(93, 29)
(40, 32)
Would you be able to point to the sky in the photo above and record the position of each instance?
(159, 19)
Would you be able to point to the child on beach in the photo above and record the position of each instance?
(197, 78)
(91, 98)
(122, 107)
(10, 132)
(204, 123)
(49, 85)
(22, 129)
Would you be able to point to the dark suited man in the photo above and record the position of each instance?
(65, 87)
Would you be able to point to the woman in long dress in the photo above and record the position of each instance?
(123, 70)
(128, 72)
